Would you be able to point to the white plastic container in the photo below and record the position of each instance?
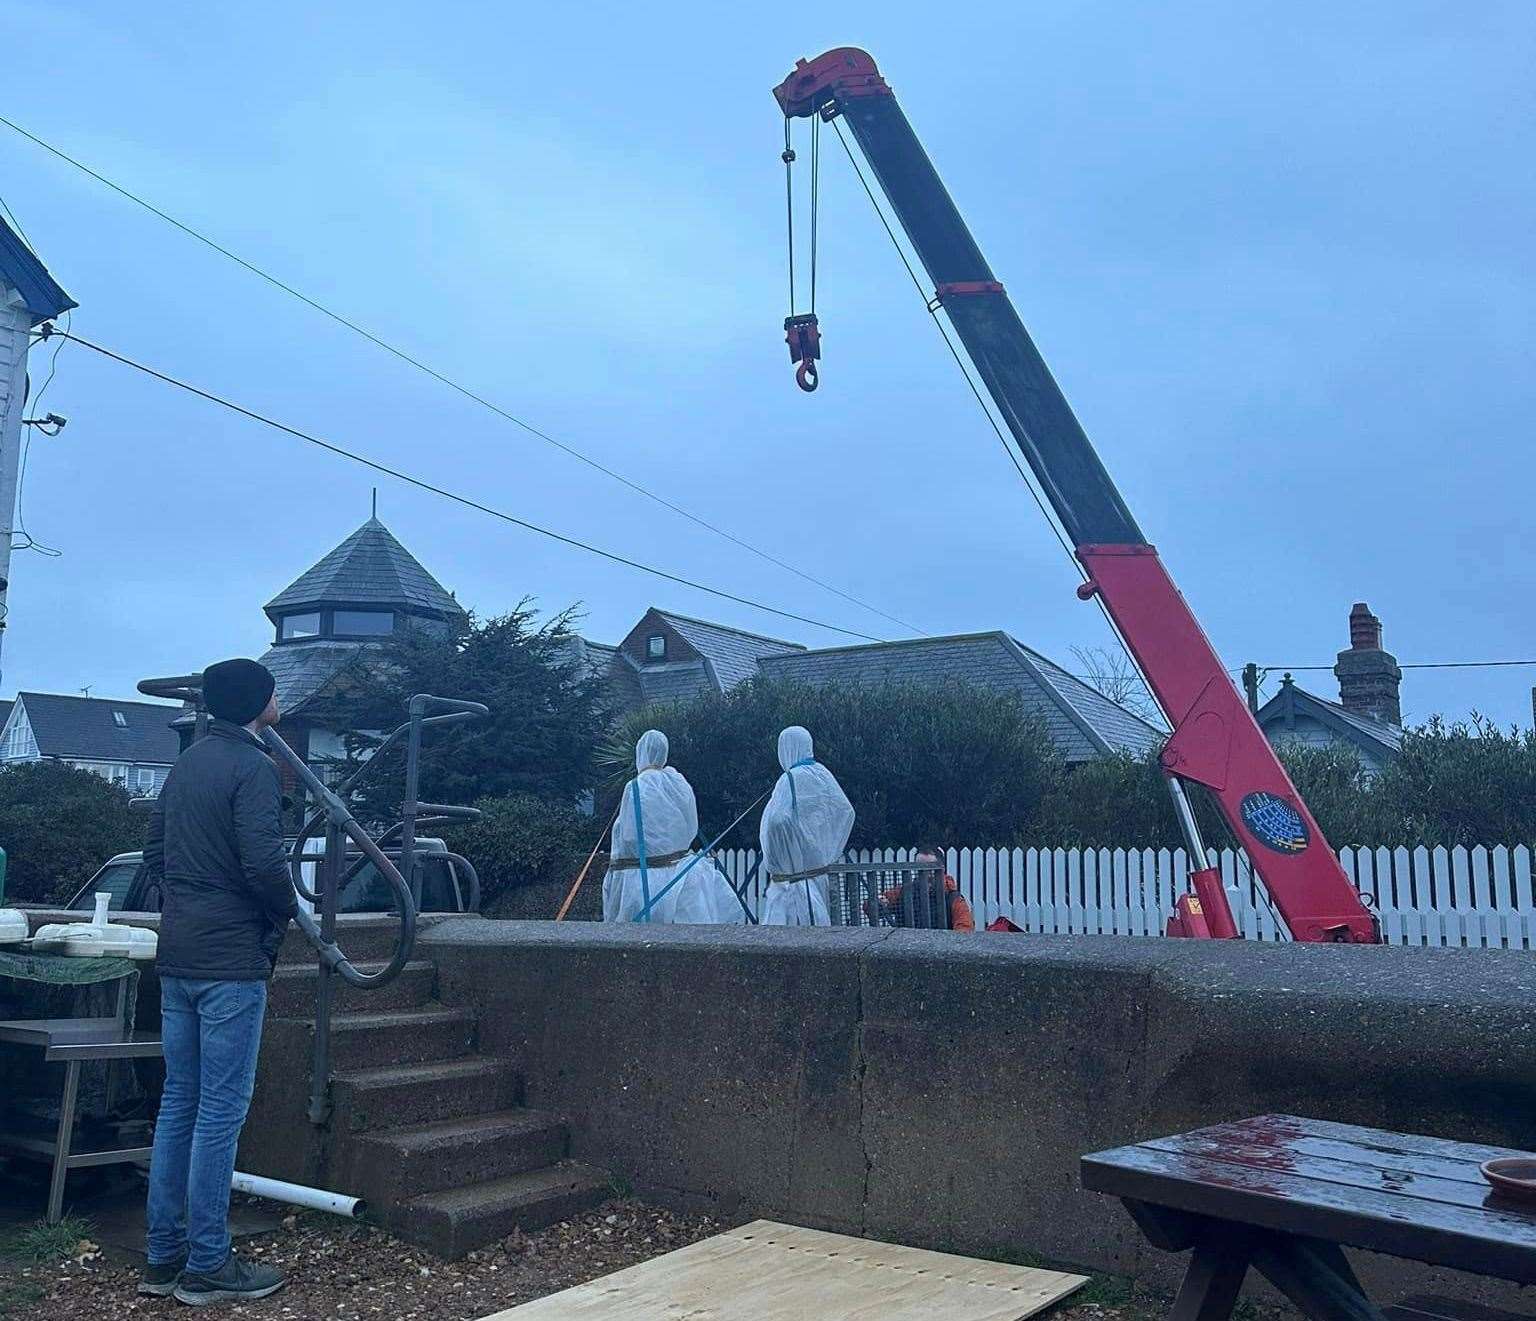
(99, 938)
(13, 926)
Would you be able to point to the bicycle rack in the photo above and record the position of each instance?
(334, 871)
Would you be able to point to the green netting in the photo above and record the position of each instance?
(58, 970)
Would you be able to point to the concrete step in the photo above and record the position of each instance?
(291, 993)
(458, 1220)
(394, 1165)
(400, 1036)
(401, 1094)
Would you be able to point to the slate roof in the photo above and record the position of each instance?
(1386, 740)
(673, 681)
(21, 269)
(84, 728)
(1120, 727)
(1082, 722)
(369, 568)
(593, 657)
(302, 669)
(5, 710)
(732, 653)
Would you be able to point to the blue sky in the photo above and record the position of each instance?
(1279, 257)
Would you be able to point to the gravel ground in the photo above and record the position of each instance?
(360, 1274)
(344, 1273)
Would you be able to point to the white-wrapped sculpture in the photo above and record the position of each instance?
(805, 829)
(654, 874)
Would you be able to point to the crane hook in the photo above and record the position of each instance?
(803, 335)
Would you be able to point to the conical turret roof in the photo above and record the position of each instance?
(369, 568)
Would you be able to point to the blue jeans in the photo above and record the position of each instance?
(212, 1032)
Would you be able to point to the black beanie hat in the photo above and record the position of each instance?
(237, 690)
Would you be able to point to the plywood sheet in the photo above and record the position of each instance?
(771, 1272)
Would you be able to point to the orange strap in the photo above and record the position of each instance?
(570, 896)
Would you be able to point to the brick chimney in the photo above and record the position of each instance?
(1369, 678)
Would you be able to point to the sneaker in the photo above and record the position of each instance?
(161, 1281)
(233, 1281)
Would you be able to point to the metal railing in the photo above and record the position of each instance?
(338, 864)
(898, 894)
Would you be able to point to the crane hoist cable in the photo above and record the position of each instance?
(801, 330)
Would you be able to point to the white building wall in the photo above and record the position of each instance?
(1315, 734)
(139, 779)
(15, 322)
(17, 742)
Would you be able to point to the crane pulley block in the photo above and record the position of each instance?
(803, 335)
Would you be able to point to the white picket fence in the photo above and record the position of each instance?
(1478, 897)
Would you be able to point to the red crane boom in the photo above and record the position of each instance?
(1215, 741)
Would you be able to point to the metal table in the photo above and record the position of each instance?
(73, 1042)
(1281, 1194)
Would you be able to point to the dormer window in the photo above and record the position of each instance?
(656, 647)
(300, 626)
(120, 720)
(362, 623)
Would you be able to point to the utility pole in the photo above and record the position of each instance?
(1251, 686)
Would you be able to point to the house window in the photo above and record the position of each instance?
(363, 623)
(656, 647)
(20, 743)
(120, 720)
(145, 777)
(300, 626)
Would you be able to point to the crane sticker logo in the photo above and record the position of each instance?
(1275, 822)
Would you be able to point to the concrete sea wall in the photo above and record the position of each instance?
(938, 1090)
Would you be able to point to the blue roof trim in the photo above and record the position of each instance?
(22, 270)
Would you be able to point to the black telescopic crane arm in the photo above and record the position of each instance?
(1215, 741)
(846, 83)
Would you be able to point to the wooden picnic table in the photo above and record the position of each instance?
(1281, 1194)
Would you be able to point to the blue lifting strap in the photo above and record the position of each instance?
(794, 798)
(650, 903)
(645, 876)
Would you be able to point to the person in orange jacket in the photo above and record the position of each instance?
(893, 901)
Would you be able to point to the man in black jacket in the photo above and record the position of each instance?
(215, 846)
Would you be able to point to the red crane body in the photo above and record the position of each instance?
(1215, 741)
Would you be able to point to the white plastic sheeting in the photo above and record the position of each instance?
(658, 816)
(805, 826)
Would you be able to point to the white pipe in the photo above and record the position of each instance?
(296, 1194)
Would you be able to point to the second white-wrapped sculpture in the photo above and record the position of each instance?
(804, 830)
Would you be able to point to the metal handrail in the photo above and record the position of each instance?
(472, 904)
(389, 741)
(341, 826)
(341, 820)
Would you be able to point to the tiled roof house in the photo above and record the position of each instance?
(1368, 716)
(129, 743)
(669, 657)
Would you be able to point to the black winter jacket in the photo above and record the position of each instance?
(215, 845)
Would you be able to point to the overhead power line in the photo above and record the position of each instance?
(1409, 665)
(425, 485)
(452, 384)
